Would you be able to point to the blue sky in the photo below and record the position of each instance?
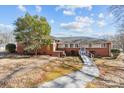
(92, 21)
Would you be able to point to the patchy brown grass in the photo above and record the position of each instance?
(29, 72)
(111, 73)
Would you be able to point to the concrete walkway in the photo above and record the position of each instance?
(77, 79)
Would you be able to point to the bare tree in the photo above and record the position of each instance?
(118, 12)
(6, 38)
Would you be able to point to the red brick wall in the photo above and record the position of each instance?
(44, 50)
(103, 52)
(71, 51)
(19, 48)
(48, 50)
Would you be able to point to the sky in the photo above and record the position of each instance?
(91, 21)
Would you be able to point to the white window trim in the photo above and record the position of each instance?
(72, 46)
(67, 45)
(76, 46)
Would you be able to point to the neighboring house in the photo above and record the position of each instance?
(71, 46)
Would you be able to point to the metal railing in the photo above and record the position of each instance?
(83, 51)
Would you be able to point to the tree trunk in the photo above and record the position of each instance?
(123, 47)
(36, 52)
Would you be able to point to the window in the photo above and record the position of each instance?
(103, 45)
(71, 45)
(76, 45)
(66, 45)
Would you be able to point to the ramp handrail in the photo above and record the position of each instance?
(85, 56)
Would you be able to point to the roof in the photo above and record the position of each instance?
(81, 40)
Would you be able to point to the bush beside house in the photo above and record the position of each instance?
(11, 48)
(115, 53)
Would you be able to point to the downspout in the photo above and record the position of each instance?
(109, 48)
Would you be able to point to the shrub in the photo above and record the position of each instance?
(115, 52)
(11, 47)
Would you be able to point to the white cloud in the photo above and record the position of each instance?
(111, 15)
(101, 15)
(92, 14)
(80, 24)
(52, 21)
(101, 23)
(68, 12)
(73, 7)
(60, 34)
(38, 8)
(103, 33)
(70, 9)
(89, 7)
(22, 8)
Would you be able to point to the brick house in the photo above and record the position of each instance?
(60, 47)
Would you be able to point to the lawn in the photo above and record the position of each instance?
(111, 73)
(30, 72)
